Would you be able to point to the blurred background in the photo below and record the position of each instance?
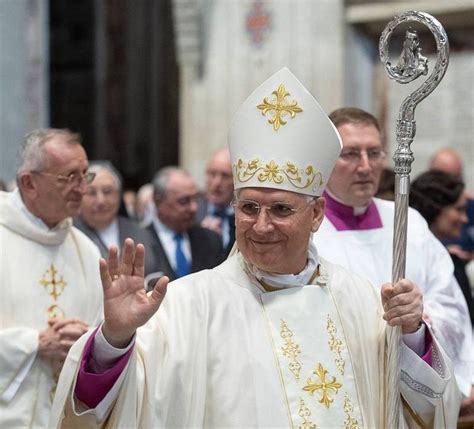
(150, 83)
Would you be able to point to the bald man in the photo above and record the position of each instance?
(448, 160)
(215, 211)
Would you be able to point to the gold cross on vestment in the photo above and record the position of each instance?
(279, 107)
(324, 385)
(51, 283)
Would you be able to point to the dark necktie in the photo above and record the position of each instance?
(182, 265)
(226, 217)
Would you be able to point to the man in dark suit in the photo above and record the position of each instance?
(99, 219)
(215, 211)
(182, 247)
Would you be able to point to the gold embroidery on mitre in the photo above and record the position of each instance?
(324, 385)
(335, 345)
(349, 422)
(278, 107)
(291, 350)
(272, 172)
(53, 284)
(305, 414)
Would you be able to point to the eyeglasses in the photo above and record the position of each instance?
(276, 211)
(71, 179)
(354, 156)
(106, 192)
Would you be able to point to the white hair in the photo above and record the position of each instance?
(31, 156)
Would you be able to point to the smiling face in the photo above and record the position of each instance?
(277, 246)
(101, 203)
(451, 219)
(355, 183)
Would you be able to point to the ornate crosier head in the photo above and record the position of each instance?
(281, 138)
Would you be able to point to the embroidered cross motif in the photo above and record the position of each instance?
(52, 284)
(324, 385)
(278, 107)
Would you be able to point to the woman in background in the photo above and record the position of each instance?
(440, 199)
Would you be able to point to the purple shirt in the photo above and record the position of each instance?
(91, 388)
(344, 219)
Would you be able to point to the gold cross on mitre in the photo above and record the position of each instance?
(279, 107)
(324, 385)
(51, 283)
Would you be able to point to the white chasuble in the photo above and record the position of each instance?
(45, 274)
(368, 253)
(223, 353)
(313, 359)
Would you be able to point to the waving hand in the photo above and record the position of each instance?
(126, 304)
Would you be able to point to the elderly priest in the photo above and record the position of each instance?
(275, 336)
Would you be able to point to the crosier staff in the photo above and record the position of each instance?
(410, 66)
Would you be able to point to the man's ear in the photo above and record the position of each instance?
(27, 184)
(318, 213)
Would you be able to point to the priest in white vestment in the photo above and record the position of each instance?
(50, 282)
(275, 336)
(357, 233)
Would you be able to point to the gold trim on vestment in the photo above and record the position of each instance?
(270, 171)
(305, 413)
(290, 349)
(335, 345)
(418, 420)
(350, 422)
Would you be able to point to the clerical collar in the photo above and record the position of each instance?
(348, 218)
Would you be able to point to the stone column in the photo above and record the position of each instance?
(24, 75)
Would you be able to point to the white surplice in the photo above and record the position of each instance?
(428, 264)
(221, 352)
(44, 273)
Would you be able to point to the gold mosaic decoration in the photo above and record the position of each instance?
(278, 107)
(305, 414)
(335, 345)
(272, 172)
(349, 422)
(291, 350)
(325, 386)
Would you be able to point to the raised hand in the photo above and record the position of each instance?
(126, 304)
(403, 305)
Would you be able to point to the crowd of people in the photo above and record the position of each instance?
(281, 288)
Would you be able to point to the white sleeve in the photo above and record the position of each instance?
(416, 340)
(104, 354)
(18, 348)
(430, 391)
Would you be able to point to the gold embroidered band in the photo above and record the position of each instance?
(272, 172)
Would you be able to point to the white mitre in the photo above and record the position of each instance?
(281, 138)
